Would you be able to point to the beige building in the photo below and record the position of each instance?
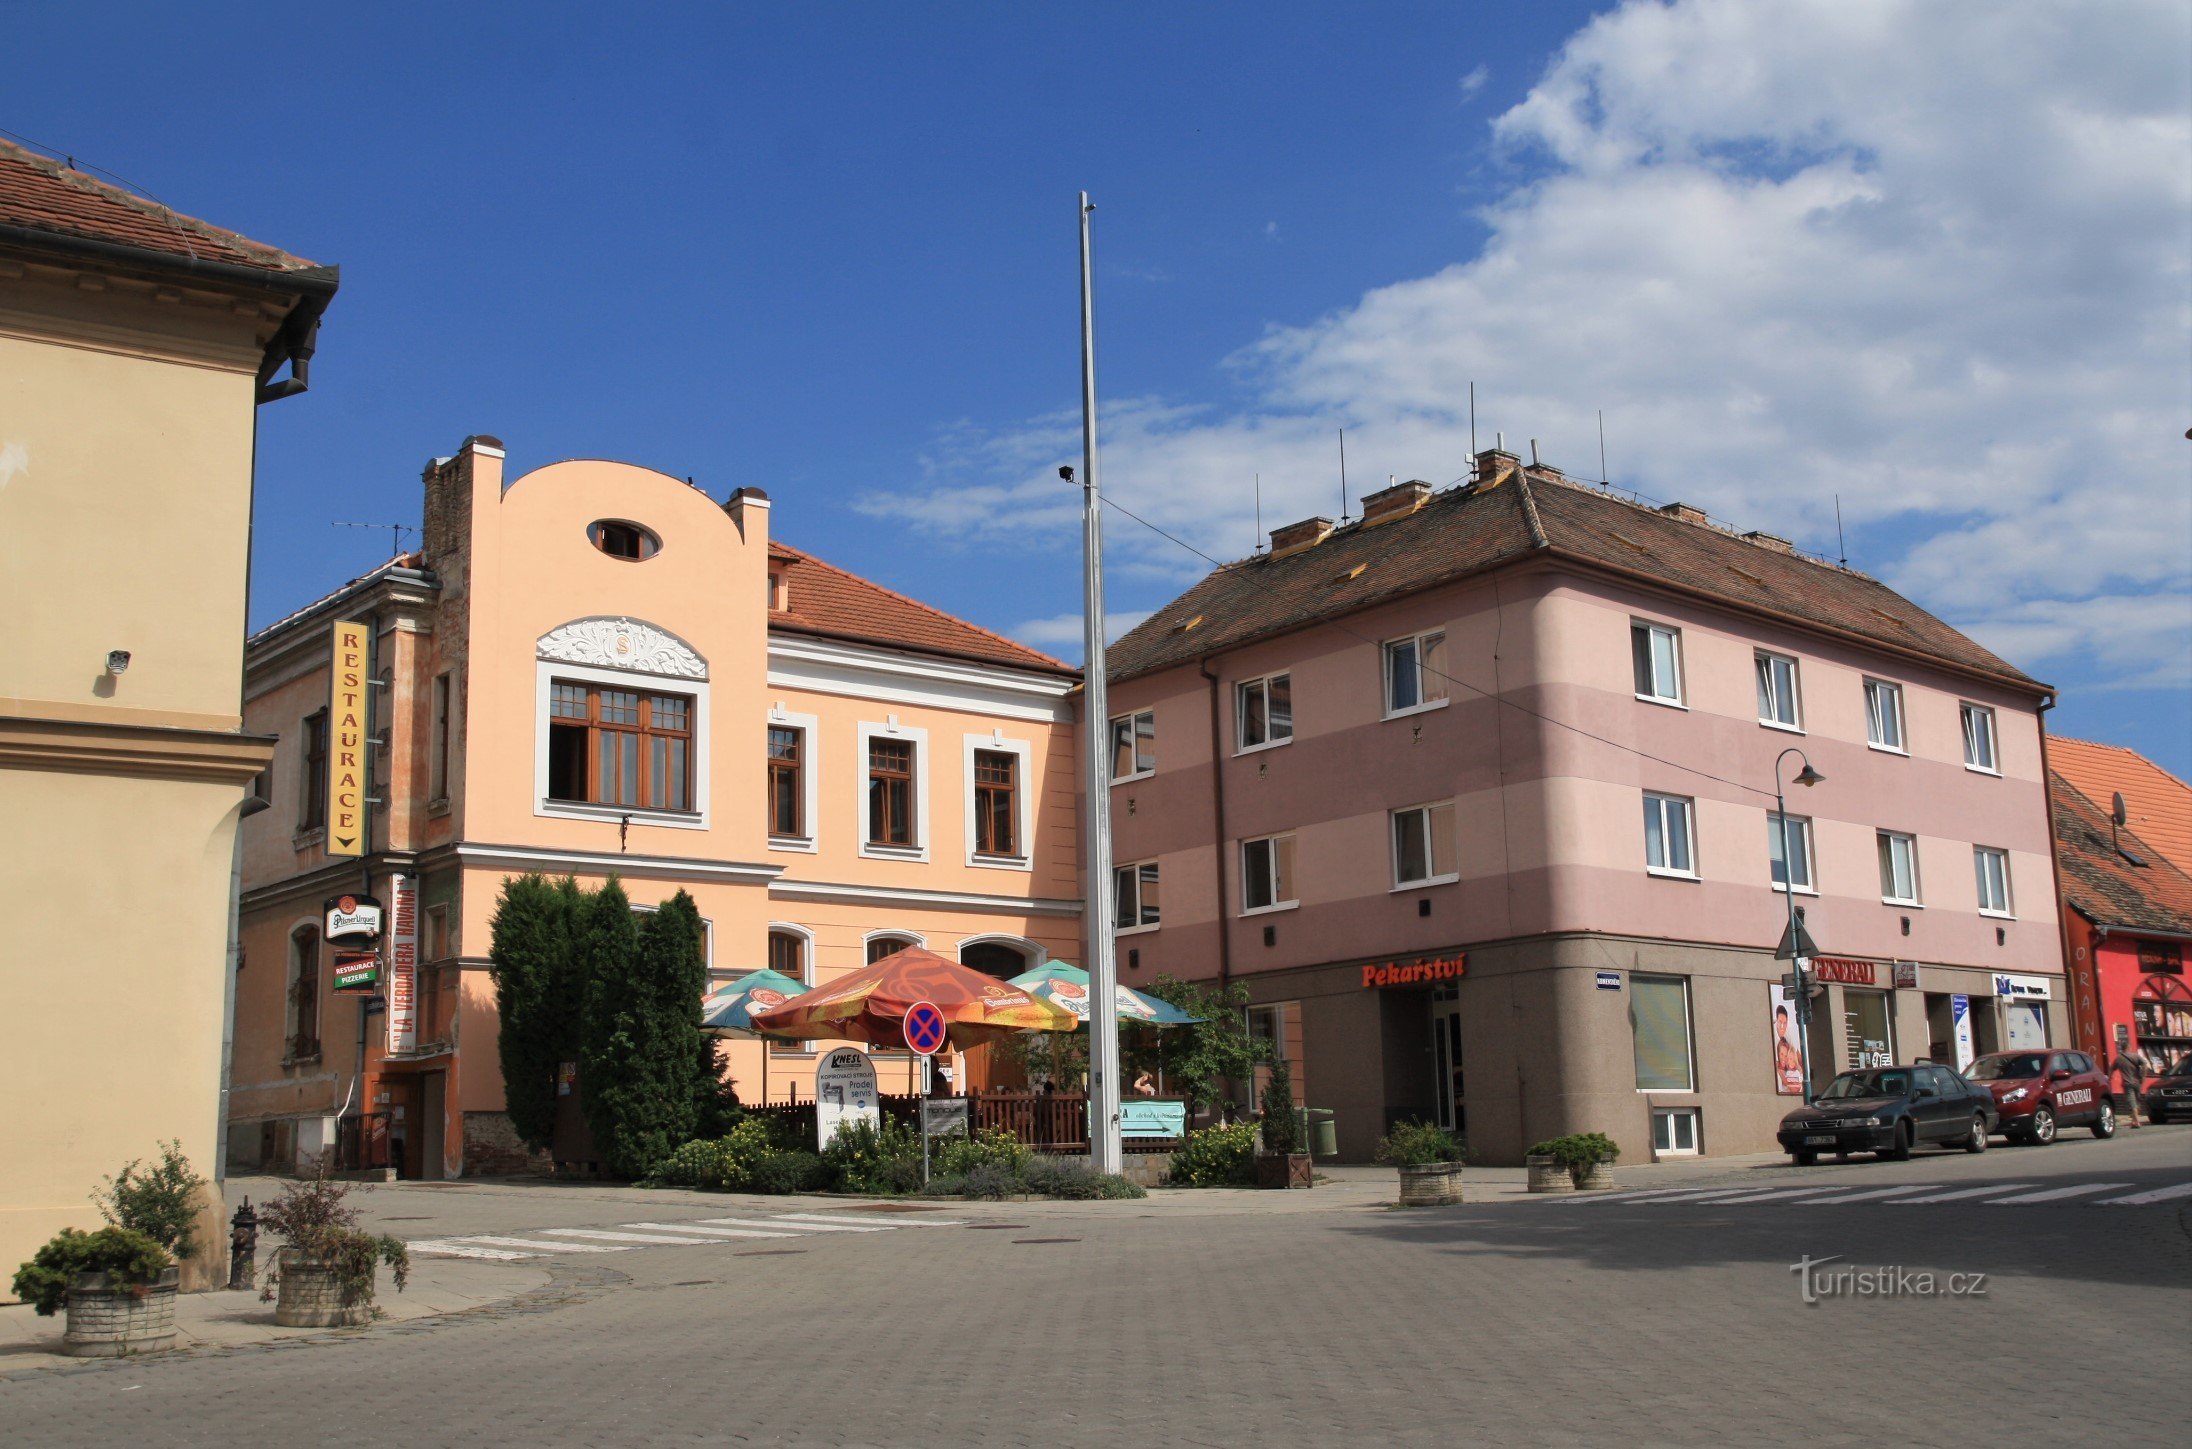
(135, 346)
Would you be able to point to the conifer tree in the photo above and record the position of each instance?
(642, 1046)
(533, 962)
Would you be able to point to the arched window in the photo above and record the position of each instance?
(995, 958)
(304, 993)
(885, 943)
(791, 953)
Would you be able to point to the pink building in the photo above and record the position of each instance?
(600, 669)
(1477, 795)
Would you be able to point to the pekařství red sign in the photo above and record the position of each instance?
(1416, 973)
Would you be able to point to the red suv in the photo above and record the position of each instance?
(2039, 1092)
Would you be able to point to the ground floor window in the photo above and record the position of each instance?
(1660, 1008)
(2024, 1024)
(1674, 1132)
(1867, 1031)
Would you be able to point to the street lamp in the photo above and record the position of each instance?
(1807, 777)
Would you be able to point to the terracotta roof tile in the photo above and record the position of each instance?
(2101, 884)
(1470, 530)
(824, 599)
(39, 193)
(2158, 803)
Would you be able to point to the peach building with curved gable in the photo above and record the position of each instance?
(597, 668)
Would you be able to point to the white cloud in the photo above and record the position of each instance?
(1474, 80)
(1060, 634)
(1933, 256)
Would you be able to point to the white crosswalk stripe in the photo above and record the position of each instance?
(2058, 1194)
(811, 1227)
(544, 1245)
(1752, 1195)
(895, 1222)
(606, 1236)
(1963, 1192)
(1877, 1192)
(708, 1231)
(438, 1248)
(1662, 1193)
(2159, 1194)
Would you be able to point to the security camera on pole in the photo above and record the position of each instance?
(1797, 947)
(1103, 972)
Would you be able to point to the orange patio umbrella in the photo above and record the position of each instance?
(870, 1004)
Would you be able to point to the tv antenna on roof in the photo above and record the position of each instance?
(1259, 516)
(1841, 540)
(396, 532)
(1343, 475)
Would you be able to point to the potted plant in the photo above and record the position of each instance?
(118, 1286)
(1282, 1163)
(1581, 1157)
(324, 1274)
(1429, 1158)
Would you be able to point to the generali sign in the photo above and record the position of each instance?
(1416, 973)
(1845, 970)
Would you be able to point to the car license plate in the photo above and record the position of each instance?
(1826, 1140)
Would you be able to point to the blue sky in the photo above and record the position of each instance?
(829, 251)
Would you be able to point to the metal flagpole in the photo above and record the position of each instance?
(1103, 973)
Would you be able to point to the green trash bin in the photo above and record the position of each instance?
(1324, 1134)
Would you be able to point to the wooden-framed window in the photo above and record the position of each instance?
(438, 741)
(312, 809)
(890, 792)
(996, 803)
(787, 782)
(304, 994)
(791, 954)
(609, 746)
(888, 945)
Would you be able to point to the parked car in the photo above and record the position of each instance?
(2038, 1093)
(2170, 1092)
(1890, 1111)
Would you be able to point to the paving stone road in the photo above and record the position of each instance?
(1242, 1318)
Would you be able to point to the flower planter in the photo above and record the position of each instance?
(1284, 1169)
(1549, 1174)
(109, 1322)
(1430, 1184)
(311, 1295)
(1597, 1177)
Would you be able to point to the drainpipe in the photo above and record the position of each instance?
(2062, 912)
(1217, 810)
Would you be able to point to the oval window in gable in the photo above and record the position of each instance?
(621, 538)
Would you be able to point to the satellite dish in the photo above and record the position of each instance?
(2116, 811)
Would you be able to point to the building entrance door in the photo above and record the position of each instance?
(1449, 1098)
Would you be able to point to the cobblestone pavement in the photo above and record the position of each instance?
(1235, 1318)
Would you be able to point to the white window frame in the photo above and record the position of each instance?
(1428, 829)
(1762, 666)
(1143, 926)
(548, 671)
(891, 729)
(1966, 714)
(1654, 629)
(1240, 715)
(1424, 701)
(1884, 847)
(1800, 836)
(810, 778)
(1023, 793)
(1891, 692)
(1697, 1133)
(1654, 799)
(803, 1048)
(1277, 903)
(1111, 751)
(1980, 854)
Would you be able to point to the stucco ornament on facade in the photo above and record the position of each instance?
(623, 644)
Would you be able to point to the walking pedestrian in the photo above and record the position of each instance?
(2131, 1066)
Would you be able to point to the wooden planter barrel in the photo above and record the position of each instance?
(1430, 1184)
(1549, 1174)
(105, 1321)
(311, 1295)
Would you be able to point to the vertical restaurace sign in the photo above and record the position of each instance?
(403, 963)
(346, 711)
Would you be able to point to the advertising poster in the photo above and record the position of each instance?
(1788, 1052)
(1960, 1016)
(403, 964)
(844, 1091)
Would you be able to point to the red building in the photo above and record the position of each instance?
(2127, 922)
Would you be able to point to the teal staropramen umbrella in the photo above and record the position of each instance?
(1066, 985)
(730, 1010)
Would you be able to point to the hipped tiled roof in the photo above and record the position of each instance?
(2158, 803)
(825, 599)
(41, 194)
(1527, 515)
(2101, 884)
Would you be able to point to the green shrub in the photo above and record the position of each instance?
(1073, 1179)
(991, 1182)
(885, 1161)
(1281, 1127)
(1222, 1156)
(129, 1259)
(161, 1202)
(719, 1164)
(1578, 1150)
(315, 1217)
(957, 1156)
(1414, 1144)
(789, 1172)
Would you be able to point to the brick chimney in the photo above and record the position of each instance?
(749, 509)
(1687, 512)
(1495, 466)
(1299, 537)
(1771, 541)
(1398, 501)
